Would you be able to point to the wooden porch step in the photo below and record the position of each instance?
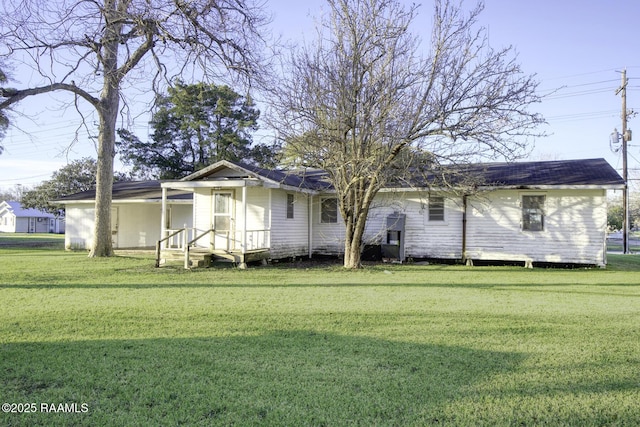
(197, 257)
(201, 257)
(240, 258)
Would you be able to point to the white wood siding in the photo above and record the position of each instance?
(138, 224)
(7, 222)
(423, 238)
(574, 227)
(328, 239)
(289, 236)
(202, 214)
(258, 216)
(79, 229)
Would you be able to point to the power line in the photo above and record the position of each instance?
(582, 85)
(584, 116)
(25, 178)
(580, 93)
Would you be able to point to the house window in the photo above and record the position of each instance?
(289, 206)
(436, 208)
(329, 211)
(533, 213)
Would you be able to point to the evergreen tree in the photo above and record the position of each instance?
(194, 126)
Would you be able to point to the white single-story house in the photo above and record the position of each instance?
(16, 219)
(528, 212)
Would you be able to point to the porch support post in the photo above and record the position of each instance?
(163, 217)
(243, 263)
(310, 224)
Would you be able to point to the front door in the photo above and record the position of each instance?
(223, 220)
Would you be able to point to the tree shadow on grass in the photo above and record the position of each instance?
(282, 378)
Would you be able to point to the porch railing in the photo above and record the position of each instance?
(183, 239)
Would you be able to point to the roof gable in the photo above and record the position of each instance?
(16, 209)
(308, 179)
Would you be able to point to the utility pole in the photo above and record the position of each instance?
(625, 195)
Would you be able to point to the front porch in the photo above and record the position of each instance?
(240, 214)
(200, 248)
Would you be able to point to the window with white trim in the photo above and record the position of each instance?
(329, 210)
(436, 208)
(290, 202)
(533, 213)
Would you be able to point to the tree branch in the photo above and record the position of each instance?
(14, 96)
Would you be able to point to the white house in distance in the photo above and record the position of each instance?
(16, 219)
(528, 212)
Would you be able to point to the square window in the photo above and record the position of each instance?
(329, 211)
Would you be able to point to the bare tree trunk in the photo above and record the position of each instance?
(349, 245)
(353, 249)
(102, 241)
(355, 220)
(108, 112)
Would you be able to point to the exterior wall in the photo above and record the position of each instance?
(289, 236)
(202, 203)
(423, 238)
(138, 225)
(574, 224)
(79, 228)
(8, 223)
(327, 239)
(258, 216)
(574, 227)
(38, 224)
(574, 230)
(22, 225)
(134, 225)
(181, 215)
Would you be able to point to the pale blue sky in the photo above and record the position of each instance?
(576, 48)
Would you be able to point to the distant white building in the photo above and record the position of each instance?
(16, 219)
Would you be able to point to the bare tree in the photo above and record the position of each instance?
(4, 119)
(361, 100)
(94, 49)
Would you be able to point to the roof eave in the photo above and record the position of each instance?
(553, 187)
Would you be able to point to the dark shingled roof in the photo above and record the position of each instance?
(588, 172)
(122, 190)
(303, 178)
(308, 178)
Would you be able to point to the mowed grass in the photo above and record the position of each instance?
(300, 344)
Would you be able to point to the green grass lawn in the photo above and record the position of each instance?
(403, 345)
(31, 240)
